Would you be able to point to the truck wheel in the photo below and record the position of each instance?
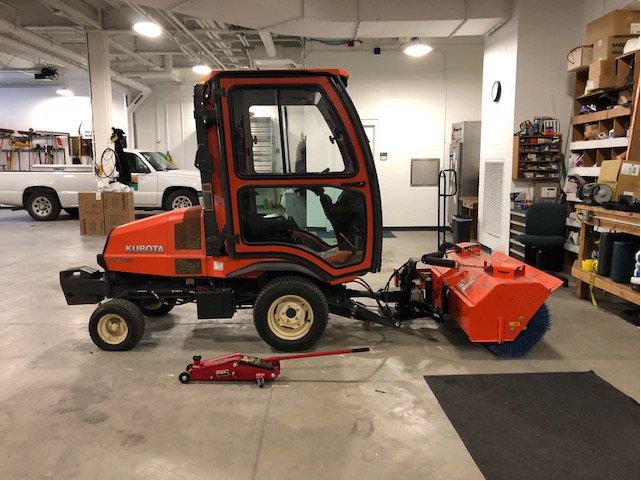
(117, 325)
(156, 307)
(43, 205)
(181, 198)
(290, 313)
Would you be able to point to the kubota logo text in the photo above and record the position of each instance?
(144, 249)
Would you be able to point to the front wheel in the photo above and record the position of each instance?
(117, 325)
(156, 307)
(43, 205)
(291, 313)
(181, 198)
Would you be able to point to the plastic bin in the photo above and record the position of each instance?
(461, 228)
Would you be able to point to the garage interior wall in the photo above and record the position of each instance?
(531, 65)
(412, 103)
(40, 108)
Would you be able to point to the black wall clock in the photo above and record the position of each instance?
(496, 91)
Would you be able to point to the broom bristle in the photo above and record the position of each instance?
(527, 338)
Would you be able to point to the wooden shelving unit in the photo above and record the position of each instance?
(615, 221)
(537, 157)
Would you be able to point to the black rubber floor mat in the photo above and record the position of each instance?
(561, 425)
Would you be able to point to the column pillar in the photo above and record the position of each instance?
(101, 100)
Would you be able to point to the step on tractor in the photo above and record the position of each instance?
(291, 215)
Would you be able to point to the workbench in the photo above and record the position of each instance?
(615, 221)
(470, 207)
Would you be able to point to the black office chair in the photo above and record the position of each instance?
(544, 237)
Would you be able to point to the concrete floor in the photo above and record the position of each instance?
(71, 411)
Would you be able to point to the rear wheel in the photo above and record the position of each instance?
(290, 313)
(43, 205)
(117, 325)
(156, 307)
(181, 198)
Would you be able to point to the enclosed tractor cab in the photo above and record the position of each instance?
(291, 214)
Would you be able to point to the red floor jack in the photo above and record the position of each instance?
(238, 367)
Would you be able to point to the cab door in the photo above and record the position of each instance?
(302, 188)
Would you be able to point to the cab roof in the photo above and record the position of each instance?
(292, 72)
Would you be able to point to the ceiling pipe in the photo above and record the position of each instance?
(463, 22)
(62, 9)
(268, 42)
(166, 72)
(133, 55)
(42, 43)
(56, 60)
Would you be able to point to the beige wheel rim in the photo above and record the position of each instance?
(290, 317)
(112, 329)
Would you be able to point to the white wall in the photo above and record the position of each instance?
(40, 108)
(414, 101)
(528, 55)
(165, 122)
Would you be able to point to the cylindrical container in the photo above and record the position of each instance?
(623, 261)
(606, 241)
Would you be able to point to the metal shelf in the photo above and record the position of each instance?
(599, 144)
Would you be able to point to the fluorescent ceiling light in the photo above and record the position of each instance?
(65, 92)
(148, 29)
(416, 48)
(201, 69)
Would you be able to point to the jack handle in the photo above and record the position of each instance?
(316, 354)
(436, 261)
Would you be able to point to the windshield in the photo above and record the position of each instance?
(158, 162)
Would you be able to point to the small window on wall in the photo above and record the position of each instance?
(288, 131)
(424, 172)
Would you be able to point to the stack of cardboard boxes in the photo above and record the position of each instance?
(608, 36)
(102, 211)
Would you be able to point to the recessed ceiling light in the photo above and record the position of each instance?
(416, 48)
(148, 29)
(201, 69)
(64, 92)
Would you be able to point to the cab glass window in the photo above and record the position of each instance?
(324, 220)
(289, 131)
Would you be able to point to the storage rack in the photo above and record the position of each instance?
(537, 157)
(20, 150)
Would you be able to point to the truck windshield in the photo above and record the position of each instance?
(158, 162)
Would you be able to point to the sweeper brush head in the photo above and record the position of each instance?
(527, 339)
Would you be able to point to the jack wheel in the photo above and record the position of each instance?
(260, 382)
(117, 325)
(184, 377)
(291, 313)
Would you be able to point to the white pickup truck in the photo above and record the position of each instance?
(47, 189)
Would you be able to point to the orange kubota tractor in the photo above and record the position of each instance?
(292, 213)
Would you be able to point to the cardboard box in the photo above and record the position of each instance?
(118, 209)
(600, 83)
(579, 57)
(618, 22)
(602, 68)
(608, 174)
(608, 47)
(628, 180)
(91, 213)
